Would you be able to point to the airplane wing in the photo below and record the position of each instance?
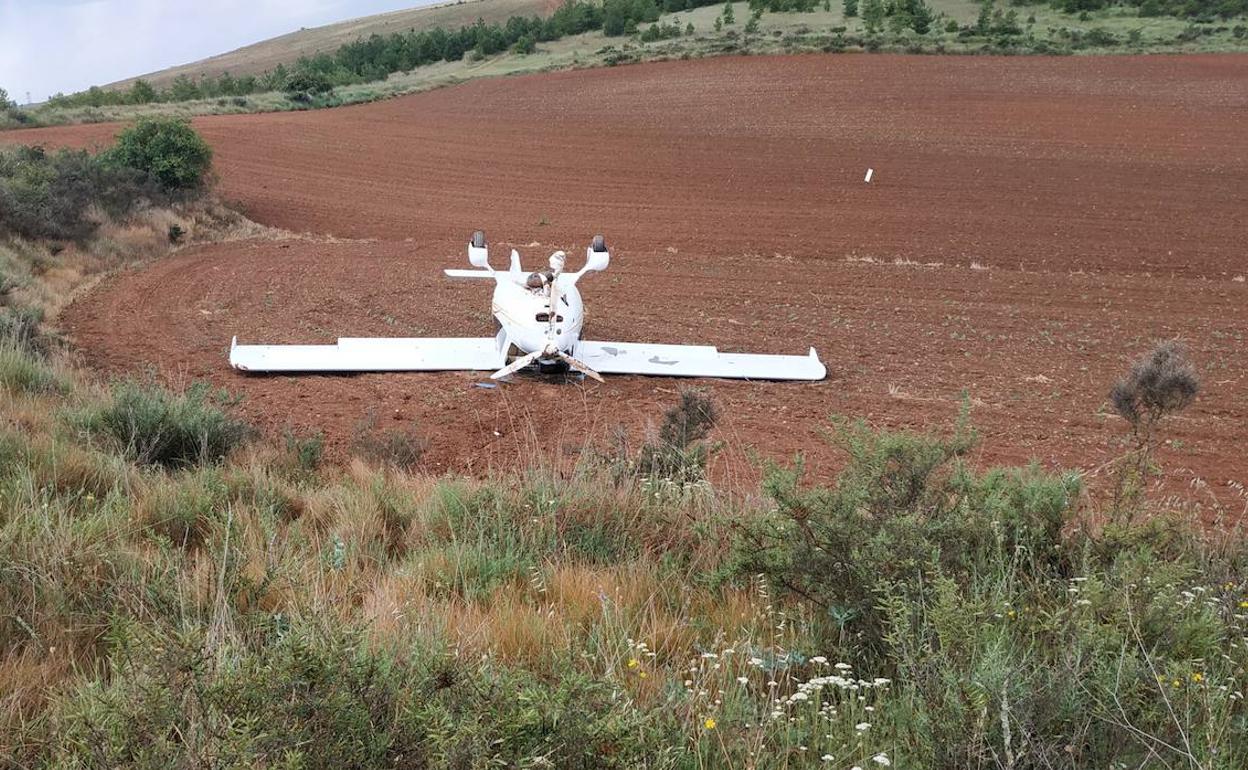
(695, 361)
(375, 354)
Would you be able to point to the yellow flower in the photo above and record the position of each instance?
(1176, 683)
(641, 674)
(1244, 604)
(1198, 677)
(632, 663)
(1011, 613)
(709, 724)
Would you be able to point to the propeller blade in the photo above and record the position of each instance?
(516, 366)
(554, 307)
(580, 367)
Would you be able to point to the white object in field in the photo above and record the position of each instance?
(374, 354)
(540, 315)
(870, 171)
(696, 361)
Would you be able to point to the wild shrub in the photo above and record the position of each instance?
(1161, 383)
(1117, 666)
(904, 508)
(680, 454)
(155, 426)
(51, 196)
(166, 149)
(303, 84)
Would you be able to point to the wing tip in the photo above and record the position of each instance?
(823, 370)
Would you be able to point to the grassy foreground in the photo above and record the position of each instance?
(176, 592)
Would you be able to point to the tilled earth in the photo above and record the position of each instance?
(1033, 224)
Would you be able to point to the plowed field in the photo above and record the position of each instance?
(1032, 224)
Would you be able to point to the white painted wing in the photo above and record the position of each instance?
(374, 354)
(695, 361)
(456, 273)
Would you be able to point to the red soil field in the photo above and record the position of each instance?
(1033, 225)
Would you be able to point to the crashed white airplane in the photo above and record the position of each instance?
(540, 315)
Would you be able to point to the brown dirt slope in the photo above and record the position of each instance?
(1033, 224)
(286, 49)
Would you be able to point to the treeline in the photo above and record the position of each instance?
(1192, 9)
(375, 57)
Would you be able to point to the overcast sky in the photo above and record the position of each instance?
(67, 45)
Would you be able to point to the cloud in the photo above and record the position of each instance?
(68, 45)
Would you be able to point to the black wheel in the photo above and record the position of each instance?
(478, 240)
(599, 243)
(557, 366)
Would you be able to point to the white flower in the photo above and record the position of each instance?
(862, 726)
(844, 666)
(827, 757)
(743, 679)
(819, 659)
(881, 759)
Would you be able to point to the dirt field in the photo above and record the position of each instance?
(1032, 225)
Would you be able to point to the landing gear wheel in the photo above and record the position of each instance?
(599, 244)
(478, 240)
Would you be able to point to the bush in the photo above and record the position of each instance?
(156, 427)
(168, 150)
(303, 84)
(50, 196)
(527, 44)
(1161, 383)
(679, 454)
(904, 509)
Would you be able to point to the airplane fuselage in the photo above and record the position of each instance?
(525, 314)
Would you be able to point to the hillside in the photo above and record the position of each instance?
(259, 57)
